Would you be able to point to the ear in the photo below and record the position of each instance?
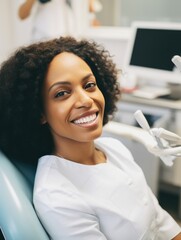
(43, 119)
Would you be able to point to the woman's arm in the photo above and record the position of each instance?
(25, 9)
(178, 237)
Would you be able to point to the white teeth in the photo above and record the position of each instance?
(87, 119)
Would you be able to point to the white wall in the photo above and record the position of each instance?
(13, 31)
(5, 30)
(114, 39)
(150, 10)
(124, 12)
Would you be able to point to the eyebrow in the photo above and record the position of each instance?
(68, 83)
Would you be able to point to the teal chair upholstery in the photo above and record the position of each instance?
(18, 219)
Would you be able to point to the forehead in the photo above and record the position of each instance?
(67, 60)
(66, 65)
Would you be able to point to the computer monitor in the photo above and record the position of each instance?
(150, 50)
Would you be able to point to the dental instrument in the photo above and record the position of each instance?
(162, 138)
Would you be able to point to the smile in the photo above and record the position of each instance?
(86, 120)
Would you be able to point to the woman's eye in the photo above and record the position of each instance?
(90, 85)
(61, 94)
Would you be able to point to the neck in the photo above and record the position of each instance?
(84, 153)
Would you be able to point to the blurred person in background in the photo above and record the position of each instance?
(52, 18)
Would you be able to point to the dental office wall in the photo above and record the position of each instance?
(5, 34)
(13, 32)
(124, 12)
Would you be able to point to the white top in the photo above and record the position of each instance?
(107, 201)
(52, 19)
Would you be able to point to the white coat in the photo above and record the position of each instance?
(107, 201)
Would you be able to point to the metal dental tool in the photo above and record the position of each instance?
(162, 138)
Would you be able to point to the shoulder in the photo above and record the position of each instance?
(52, 187)
(114, 145)
(48, 172)
(119, 155)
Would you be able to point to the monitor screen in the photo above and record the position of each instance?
(151, 48)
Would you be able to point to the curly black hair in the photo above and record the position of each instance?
(22, 135)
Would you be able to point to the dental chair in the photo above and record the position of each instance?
(18, 220)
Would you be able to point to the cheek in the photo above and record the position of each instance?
(54, 113)
(58, 113)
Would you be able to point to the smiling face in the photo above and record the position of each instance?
(73, 104)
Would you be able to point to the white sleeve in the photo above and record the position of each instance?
(167, 228)
(67, 217)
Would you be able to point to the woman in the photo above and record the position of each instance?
(55, 98)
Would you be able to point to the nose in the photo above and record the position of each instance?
(83, 99)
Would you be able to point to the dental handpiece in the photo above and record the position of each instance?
(140, 118)
(166, 154)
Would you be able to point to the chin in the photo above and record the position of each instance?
(96, 135)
